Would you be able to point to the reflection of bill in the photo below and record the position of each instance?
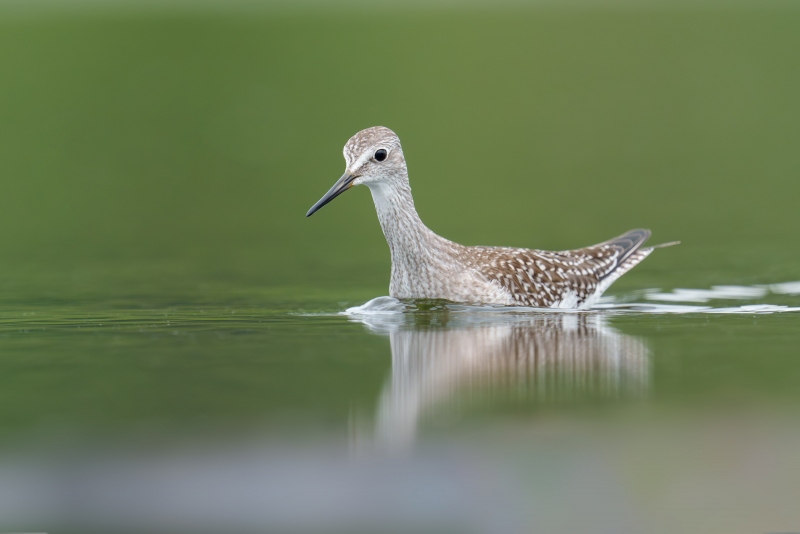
(441, 358)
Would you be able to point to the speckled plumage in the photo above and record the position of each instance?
(428, 266)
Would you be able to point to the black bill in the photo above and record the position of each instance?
(341, 185)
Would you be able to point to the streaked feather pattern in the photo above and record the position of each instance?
(567, 278)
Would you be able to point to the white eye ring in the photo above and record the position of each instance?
(380, 154)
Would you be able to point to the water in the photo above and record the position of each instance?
(400, 417)
(181, 350)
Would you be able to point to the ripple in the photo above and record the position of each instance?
(680, 300)
(704, 295)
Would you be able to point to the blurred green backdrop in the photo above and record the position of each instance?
(183, 146)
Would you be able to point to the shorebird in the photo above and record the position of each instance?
(428, 266)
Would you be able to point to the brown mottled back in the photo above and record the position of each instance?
(567, 278)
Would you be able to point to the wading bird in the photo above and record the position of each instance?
(428, 266)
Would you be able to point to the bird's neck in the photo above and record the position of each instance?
(410, 241)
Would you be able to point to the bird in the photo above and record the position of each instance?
(428, 266)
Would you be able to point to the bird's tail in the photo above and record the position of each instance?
(665, 245)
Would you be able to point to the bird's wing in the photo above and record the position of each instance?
(566, 278)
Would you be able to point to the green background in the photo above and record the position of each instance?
(192, 143)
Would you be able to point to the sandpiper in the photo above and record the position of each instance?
(428, 266)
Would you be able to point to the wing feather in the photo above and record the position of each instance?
(566, 278)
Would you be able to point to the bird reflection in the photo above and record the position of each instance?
(445, 358)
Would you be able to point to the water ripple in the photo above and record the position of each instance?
(681, 300)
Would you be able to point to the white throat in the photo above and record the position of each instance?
(401, 225)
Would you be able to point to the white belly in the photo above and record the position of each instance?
(462, 286)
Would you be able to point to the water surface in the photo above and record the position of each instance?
(403, 417)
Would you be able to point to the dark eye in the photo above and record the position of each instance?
(380, 155)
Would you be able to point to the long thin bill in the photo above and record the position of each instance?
(341, 185)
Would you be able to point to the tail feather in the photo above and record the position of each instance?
(665, 245)
(628, 243)
(631, 253)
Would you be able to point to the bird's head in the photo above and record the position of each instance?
(374, 156)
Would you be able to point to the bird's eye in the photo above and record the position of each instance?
(380, 155)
